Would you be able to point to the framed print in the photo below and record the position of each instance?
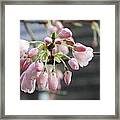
(60, 59)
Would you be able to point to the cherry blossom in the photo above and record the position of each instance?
(67, 77)
(39, 65)
(33, 52)
(73, 64)
(83, 54)
(53, 81)
(65, 33)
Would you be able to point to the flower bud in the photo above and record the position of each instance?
(58, 41)
(63, 49)
(65, 33)
(52, 81)
(54, 50)
(73, 64)
(33, 52)
(52, 28)
(39, 66)
(59, 25)
(59, 74)
(67, 77)
(48, 40)
(42, 80)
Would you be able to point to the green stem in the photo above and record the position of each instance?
(66, 56)
(54, 65)
(95, 35)
(64, 63)
(46, 63)
(49, 22)
(35, 42)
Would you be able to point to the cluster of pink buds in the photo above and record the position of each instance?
(39, 65)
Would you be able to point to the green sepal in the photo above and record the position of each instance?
(57, 59)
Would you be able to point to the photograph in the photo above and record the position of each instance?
(59, 59)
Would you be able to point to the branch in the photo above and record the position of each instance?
(29, 31)
(96, 53)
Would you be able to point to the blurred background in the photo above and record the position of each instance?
(85, 83)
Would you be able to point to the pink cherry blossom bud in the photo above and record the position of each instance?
(59, 25)
(54, 50)
(73, 64)
(26, 64)
(79, 47)
(84, 57)
(31, 72)
(94, 43)
(58, 41)
(48, 40)
(59, 74)
(67, 77)
(42, 80)
(65, 33)
(52, 81)
(63, 49)
(33, 52)
(39, 66)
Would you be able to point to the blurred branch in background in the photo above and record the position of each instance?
(83, 28)
(96, 31)
(35, 21)
(26, 24)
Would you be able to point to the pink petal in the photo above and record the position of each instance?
(67, 77)
(26, 64)
(73, 64)
(42, 80)
(79, 47)
(28, 79)
(83, 58)
(52, 28)
(59, 25)
(59, 74)
(33, 52)
(28, 85)
(58, 41)
(70, 41)
(22, 77)
(55, 50)
(48, 40)
(39, 66)
(65, 33)
(52, 81)
(63, 49)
